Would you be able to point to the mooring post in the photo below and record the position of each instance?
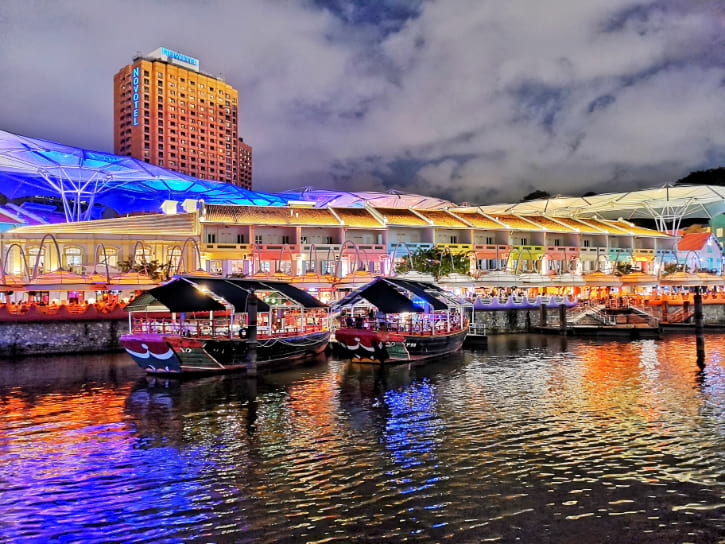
(562, 319)
(699, 329)
(252, 335)
(544, 317)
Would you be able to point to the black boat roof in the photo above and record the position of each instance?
(204, 293)
(387, 294)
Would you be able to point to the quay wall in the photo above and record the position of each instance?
(65, 336)
(510, 321)
(713, 314)
(96, 336)
(521, 321)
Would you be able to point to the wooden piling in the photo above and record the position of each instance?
(252, 335)
(699, 330)
(562, 319)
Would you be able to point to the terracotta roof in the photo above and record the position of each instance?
(549, 224)
(401, 216)
(268, 215)
(612, 227)
(515, 221)
(635, 229)
(478, 220)
(181, 224)
(442, 218)
(581, 226)
(357, 217)
(694, 241)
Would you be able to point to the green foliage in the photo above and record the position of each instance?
(714, 176)
(671, 267)
(154, 269)
(536, 195)
(436, 261)
(624, 268)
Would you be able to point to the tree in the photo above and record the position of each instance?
(154, 269)
(714, 176)
(435, 261)
(536, 195)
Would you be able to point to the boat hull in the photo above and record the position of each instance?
(364, 346)
(171, 354)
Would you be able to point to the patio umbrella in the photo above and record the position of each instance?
(360, 277)
(456, 279)
(711, 279)
(682, 279)
(602, 279)
(531, 279)
(272, 276)
(567, 280)
(414, 275)
(313, 279)
(639, 279)
(60, 280)
(132, 281)
(498, 278)
(11, 282)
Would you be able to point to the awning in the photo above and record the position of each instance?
(421, 290)
(296, 294)
(180, 296)
(230, 291)
(236, 290)
(383, 296)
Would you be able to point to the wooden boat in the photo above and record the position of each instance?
(200, 324)
(391, 320)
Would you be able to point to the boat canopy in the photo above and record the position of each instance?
(203, 294)
(386, 294)
(423, 290)
(177, 296)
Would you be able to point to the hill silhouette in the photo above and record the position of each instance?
(714, 176)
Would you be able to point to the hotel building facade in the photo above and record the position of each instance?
(169, 113)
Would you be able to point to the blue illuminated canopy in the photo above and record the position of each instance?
(83, 178)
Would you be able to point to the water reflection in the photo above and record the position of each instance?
(538, 438)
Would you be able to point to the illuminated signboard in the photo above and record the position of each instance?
(135, 74)
(178, 56)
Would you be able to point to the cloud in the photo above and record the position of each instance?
(473, 100)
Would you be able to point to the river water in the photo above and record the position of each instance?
(536, 439)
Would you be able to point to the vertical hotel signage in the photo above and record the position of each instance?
(135, 75)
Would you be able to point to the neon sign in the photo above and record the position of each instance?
(178, 56)
(135, 74)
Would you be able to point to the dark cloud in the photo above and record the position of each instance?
(473, 100)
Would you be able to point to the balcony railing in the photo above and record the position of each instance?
(320, 247)
(208, 246)
(526, 251)
(564, 252)
(592, 253)
(370, 247)
(488, 251)
(456, 248)
(403, 248)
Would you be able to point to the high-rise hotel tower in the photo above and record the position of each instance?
(167, 112)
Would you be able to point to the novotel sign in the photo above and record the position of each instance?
(178, 56)
(135, 75)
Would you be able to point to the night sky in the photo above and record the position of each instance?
(472, 100)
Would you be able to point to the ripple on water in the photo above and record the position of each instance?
(537, 439)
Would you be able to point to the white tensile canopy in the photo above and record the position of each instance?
(667, 206)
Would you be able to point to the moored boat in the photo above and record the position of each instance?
(391, 320)
(200, 324)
